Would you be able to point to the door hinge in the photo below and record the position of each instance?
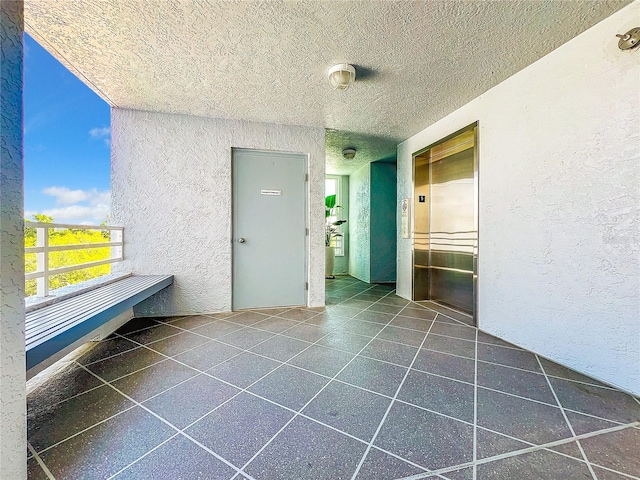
(306, 285)
(306, 232)
(306, 177)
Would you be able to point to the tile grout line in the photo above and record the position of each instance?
(306, 404)
(386, 413)
(40, 462)
(523, 451)
(566, 419)
(475, 412)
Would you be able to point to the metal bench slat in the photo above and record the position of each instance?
(74, 323)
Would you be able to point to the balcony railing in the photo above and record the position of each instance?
(45, 232)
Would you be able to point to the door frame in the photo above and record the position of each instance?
(307, 217)
(475, 126)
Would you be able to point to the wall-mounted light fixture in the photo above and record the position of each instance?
(348, 153)
(631, 39)
(341, 76)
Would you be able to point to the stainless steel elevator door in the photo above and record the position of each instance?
(445, 223)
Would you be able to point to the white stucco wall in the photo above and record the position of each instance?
(13, 412)
(171, 190)
(360, 224)
(559, 239)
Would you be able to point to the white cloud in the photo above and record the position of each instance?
(77, 206)
(103, 133)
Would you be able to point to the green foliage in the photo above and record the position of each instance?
(331, 228)
(69, 257)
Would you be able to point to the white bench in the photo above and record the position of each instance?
(52, 329)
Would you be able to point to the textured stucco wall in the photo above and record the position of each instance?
(171, 190)
(383, 222)
(359, 224)
(13, 415)
(559, 250)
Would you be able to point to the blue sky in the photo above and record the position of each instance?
(66, 142)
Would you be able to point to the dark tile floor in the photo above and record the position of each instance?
(370, 387)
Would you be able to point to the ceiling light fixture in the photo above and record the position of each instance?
(341, 76)
(348, 153)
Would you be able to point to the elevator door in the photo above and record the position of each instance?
(445, 223)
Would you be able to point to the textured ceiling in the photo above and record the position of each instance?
(267, 61)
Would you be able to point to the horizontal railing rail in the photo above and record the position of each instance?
(42, 249)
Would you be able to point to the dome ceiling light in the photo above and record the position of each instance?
(341, 76)
(348, 153)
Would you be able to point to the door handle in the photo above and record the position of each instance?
(241, 240)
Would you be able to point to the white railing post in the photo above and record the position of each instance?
(117, 252)
(42, 261)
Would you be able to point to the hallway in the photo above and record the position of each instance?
(370, 387)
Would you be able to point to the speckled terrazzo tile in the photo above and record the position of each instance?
(490, 444)
(244, 369)
(373, 375)
(106, 348)
(375, 317)
(125, 363)
(240, 427)
(154, 379)
(458, 368)
(153, 334)
(275, 324)
(188, 401)
(136, 324)
(390, 352)
(462, 474)
(84, 457)
(280, 348)
(289, 386)
(327, 320)
(299, 314)
(271, 311)
(247, 318)
(538, 465)
(246, 338)
(616, 450)
(384, 308)
(71, 380)
(207, 355)
(349, 342)
(179, 458)
(487, 338)
(394, 300)
(348, 409)
(515, 381)
(53, 424)
(456, 331)
(382, 466)
(603, 474)
(425, 438)
(442, 395)
(402, 335)
(177, 344)
(419, 324)
(354, 303)
(530, 421)
(34, 470)
(218, 329)
(322, 360)
(418, 312)
(305, 450)
(586, 424)
(341, 311)
(444, 311)
(508, 356)
(601, 402)
(306, 332)
(555, 370)
(570, 449)
(454, 346)
(361, 327)
(191, 321)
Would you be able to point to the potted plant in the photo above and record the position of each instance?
(331, 231)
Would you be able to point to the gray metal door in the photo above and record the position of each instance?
(269, 229)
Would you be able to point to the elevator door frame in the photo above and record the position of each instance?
(475, 127)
